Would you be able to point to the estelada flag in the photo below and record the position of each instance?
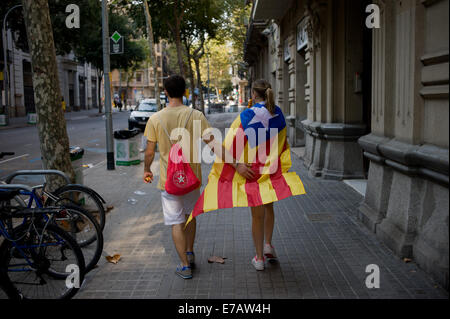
(257, 137)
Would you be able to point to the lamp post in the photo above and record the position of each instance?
(106, 71)
(5, 66)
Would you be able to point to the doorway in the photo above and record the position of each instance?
(28, 91)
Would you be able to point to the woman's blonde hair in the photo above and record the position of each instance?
(263, 89)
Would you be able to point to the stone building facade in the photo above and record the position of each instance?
(78, 82)
(140, 84)
(367, 103)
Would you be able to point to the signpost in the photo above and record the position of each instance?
(106, 66)
(116, 43)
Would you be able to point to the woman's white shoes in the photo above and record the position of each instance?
(269, 251)
(258, 264)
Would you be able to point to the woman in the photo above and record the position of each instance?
(263, 218)
(257, 141)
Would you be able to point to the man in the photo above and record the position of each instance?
(176, 209)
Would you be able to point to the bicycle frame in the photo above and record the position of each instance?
(20, 248)
(24, 190)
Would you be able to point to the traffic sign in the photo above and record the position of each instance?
(116, 43)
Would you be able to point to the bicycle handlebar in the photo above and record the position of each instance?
(9, 178)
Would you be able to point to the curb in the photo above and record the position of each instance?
(22, 125)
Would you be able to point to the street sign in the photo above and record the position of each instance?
(116, 43)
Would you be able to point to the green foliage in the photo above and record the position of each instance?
(220, 61)
(85, 42)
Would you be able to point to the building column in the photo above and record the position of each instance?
(291, 116)
(76, 90)
(407, 200)
(334, 121)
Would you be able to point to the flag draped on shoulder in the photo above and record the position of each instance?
(259, 138)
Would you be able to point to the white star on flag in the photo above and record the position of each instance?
(181, 179)
(262, 115)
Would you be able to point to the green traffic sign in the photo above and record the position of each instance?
(116, 36)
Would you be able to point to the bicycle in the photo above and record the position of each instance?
(83, 196)
(78, 222)
(73, 217)
(36, 257)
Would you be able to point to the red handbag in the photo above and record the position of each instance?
(181, 179)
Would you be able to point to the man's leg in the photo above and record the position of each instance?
(269, 221)
(179, 239)
(190, 234)
(258, 230)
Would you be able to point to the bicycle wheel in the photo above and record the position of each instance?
(83, 197)
(83, 227)
(29, 272)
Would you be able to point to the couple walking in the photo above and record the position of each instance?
(250, 169)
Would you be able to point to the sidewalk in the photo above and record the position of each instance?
(323, 251)
(19, 122)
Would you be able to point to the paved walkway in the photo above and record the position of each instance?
(323, 250)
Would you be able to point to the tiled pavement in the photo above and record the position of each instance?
(323, 250)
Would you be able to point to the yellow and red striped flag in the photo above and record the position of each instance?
(257, 137)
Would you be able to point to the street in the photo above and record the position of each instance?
(323, 250)
(335, 113)
(85, 129)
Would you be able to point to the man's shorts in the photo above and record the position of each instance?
(175, 208)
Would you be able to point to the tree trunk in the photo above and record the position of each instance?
(191, 72)
(199, 83)
(177, 37)
(54, 142)
(148, 20)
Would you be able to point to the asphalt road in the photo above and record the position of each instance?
(86, 132)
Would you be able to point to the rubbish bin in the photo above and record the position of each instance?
(3, 120)
(76, 157)
(126, 146)
(32, 117)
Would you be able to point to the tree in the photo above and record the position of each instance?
(85, 42)
(90, 49)
(51, 125)
(200, 24)
(151, 43)
(220, 62)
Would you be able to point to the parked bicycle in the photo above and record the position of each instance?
(83, 215)
(75, 220)
(36, 256)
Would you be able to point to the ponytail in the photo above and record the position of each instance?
(264, 90)
(270, 101)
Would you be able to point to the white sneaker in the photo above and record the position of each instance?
(269, 251)
(258, 264)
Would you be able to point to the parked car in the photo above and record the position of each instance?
(140, 115)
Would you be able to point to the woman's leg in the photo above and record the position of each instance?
(269, 221)
(258, 230)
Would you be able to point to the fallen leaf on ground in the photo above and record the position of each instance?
(216, 259)
(407, 260)
(109, 208)
(113, 259)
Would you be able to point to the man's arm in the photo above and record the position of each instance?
(226, 157)
(149, 156)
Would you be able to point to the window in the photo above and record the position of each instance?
(147, 107)
(139, 77)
